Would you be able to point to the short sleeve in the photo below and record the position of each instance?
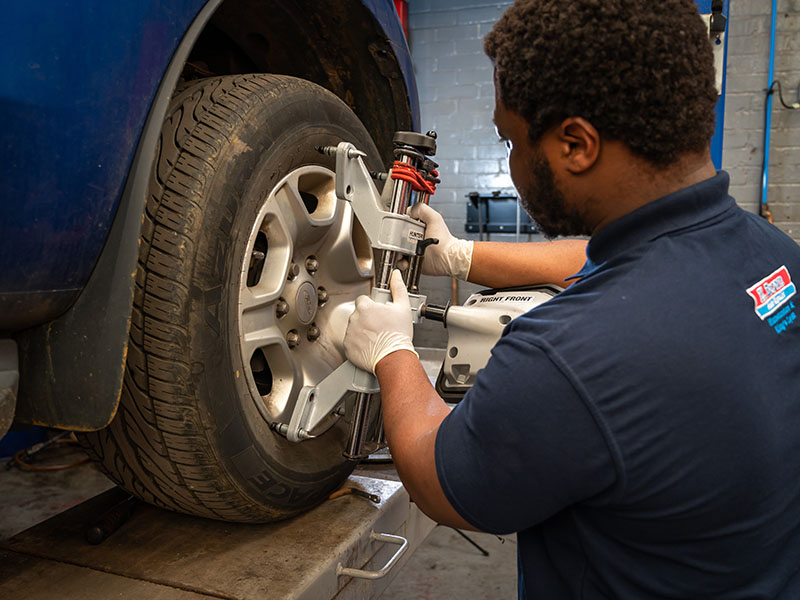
(522, 444)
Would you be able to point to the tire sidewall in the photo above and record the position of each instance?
(277, 136)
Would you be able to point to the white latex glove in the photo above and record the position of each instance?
(451, 256)
(375, 330)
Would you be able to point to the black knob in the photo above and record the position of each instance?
(423, 143)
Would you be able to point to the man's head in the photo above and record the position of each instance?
(633, 76)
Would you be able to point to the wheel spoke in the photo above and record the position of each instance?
(277, 258)
(349, 253)
(293, 205)
(261, 338)
(259, 327)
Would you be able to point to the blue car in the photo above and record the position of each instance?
(171, 244)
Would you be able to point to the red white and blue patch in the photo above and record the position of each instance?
(772, 292)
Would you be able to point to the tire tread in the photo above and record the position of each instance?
(157, 445)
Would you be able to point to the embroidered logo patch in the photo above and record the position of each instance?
(772, 292)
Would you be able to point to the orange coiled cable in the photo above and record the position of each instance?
(409, 174)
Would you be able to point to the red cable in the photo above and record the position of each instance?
(409, 174)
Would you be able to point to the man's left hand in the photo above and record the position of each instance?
(376, 330)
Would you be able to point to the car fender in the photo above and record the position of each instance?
(83, 352)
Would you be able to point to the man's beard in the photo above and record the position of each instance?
(544, 201)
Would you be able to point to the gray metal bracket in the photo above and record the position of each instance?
(385, 230)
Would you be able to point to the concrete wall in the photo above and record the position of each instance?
(457, 98)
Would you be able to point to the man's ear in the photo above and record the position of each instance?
(579, 142)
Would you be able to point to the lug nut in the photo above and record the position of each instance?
(292, 338)
(281, 308)
(312, 264)
(313, 333)
(322, 296)
(294, 271)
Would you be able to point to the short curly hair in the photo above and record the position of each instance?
(641, 72)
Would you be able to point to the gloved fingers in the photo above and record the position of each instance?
(424, 213)
(399, 291)
(363, 302)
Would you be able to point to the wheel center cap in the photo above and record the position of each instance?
(306, 302)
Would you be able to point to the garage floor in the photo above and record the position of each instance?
(445, 566)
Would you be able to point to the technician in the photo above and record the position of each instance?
(640, 431)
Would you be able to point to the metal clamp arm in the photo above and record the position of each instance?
(385, 230)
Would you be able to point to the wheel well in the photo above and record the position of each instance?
(338, 45)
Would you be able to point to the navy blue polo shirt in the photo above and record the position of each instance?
(641, 431)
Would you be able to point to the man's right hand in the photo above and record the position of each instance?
(451, 256)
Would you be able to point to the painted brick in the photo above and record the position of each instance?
(480, 75)
(438, 109)
(487, 91)
(781, 175)
(470, 46)
(446, 149)
(495, 182)
(752, 45)
(435, 49)
(459, 32)
(478, 166)
(788, 156)
(453, 210)
(788, 44)
(743, 8)
(432, 19)
(744, 175)
(744, 156)
(488, 14)
(748, 26)
(496, 151)
(786, 135)
(456, 62)
(451, 92)
(743, 101)
(419, 6)
(483, 107)
(752, 120)
(746, 83)
(428, 5)
(752, 64)
(421, 36)
(788, 23)
(446, 165)
(424, 65)
(436, 79)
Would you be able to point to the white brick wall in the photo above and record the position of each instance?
(743, 145)
(454, 77)
(457, 98)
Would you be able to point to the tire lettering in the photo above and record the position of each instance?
(282, 493)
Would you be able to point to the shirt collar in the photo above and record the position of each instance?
(678, 210)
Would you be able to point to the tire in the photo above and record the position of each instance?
(220, 234)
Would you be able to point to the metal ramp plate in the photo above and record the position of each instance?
(158, 554)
